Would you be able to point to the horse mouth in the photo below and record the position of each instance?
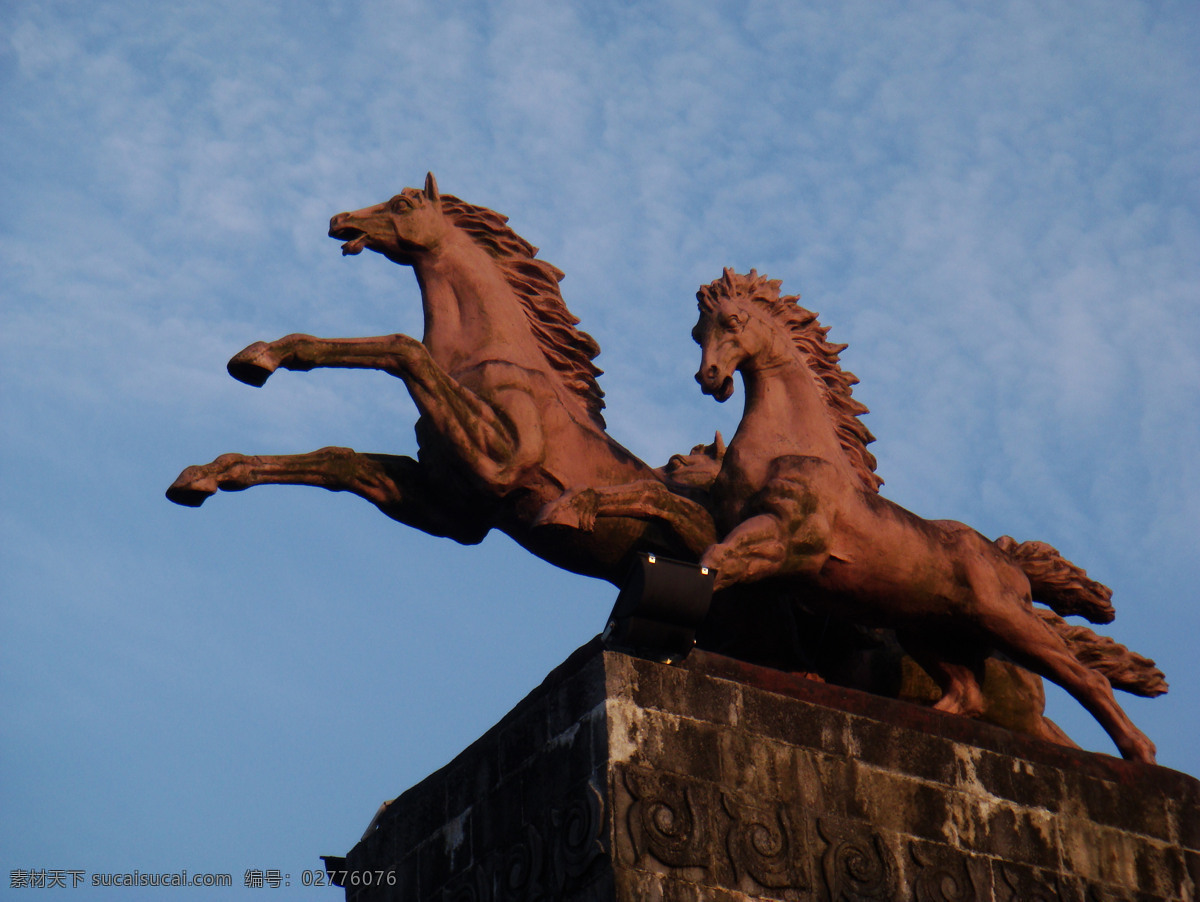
(356, 239)
(722, 391)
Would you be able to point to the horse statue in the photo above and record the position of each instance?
(510, 409)
(795, 506)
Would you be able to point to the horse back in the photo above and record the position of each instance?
(898, 565)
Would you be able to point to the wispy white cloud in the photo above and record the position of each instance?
(996, 207)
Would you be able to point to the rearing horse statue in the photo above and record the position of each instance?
(795, 504)
(510, 410)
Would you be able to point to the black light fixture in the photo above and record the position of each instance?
(659, 608)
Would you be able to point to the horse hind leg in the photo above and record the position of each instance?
(957, 673)
(961, 689)
(1012, 625)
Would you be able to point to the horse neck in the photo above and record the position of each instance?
(471, 312)
(785, 411)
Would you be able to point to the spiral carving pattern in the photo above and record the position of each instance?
(542, 861)
(857, 867)
(942, 879)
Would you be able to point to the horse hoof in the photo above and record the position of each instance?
(187, 497)
(253, 365)
(1139, 748)
(964, 704)
(556, 514)
(574, 510)
(185, 491)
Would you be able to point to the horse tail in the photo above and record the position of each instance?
(1124, 669)
(1057, 583)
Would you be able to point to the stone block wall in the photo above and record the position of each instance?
(620, 778)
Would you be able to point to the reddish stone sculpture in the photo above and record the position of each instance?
(795, 504)
(511, 437)
(504, 381)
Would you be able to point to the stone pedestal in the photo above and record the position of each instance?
(620, 778)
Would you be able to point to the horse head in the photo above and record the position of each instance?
(696, 470)
(403, 228)
(730, 332)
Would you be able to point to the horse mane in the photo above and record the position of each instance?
(569, 350)
(821, 356)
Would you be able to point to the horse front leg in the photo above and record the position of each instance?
(498, 448)
(754, 549)
(396, 485)
(255, 363)
(788, 533)
(644, 499)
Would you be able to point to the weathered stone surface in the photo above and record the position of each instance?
(715, 781)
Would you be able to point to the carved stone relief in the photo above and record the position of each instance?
(857, 865)
(699, 832)
(717, 835)
(943, 876)
(546, 857)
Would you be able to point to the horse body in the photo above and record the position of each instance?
(504, 383)
(886, 566)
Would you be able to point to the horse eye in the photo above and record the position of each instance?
(400, 204)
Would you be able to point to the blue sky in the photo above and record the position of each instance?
(997, 206)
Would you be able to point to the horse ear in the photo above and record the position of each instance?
(719, 445)
(431, 191)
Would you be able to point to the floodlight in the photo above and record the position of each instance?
(659, 608)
